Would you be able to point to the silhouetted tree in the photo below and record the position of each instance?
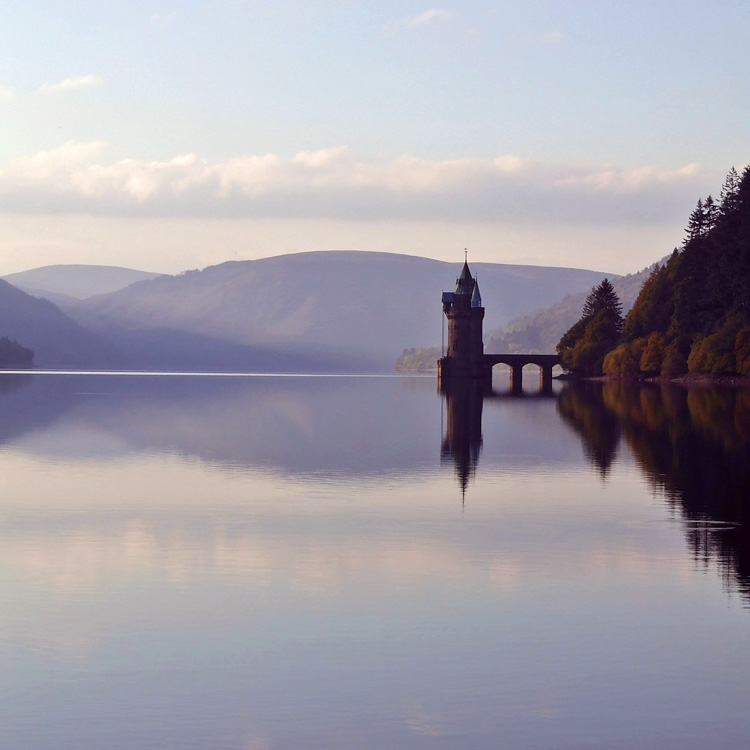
(729, 197)
(711, 211)
(13, 355)
(696, 226)
(584, 345)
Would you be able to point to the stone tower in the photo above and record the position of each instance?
(464, 357)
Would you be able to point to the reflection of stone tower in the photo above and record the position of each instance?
(462, 442)
(463, 308)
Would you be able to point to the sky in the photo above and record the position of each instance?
(168, 136)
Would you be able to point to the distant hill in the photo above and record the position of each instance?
(55, 339)
(349, 309)
(540, 330)
(61, 283)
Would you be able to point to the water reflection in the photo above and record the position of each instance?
(282, 563)
(462, 441)
(690, 444)
(583, 409)
(463, 402)
(693, 446)
(293, 425)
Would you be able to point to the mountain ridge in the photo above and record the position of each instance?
(75, 281)
(349, 306)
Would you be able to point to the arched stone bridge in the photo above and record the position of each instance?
(516, 362)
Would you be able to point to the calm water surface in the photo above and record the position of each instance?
(298, 562)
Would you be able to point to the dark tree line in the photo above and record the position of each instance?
(693, 312)
(584, 345)
(13, 355)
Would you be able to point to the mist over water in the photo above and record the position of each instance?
(300, 562)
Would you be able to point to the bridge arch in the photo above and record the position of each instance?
(516, 362)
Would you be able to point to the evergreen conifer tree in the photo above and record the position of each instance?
(583, 346)
(730, 191)
(697, 222)
(711, 213)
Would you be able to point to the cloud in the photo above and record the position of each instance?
(434, 14)
(333, 184)
(6, 93)
(80, 82)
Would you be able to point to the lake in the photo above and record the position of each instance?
(277, 562)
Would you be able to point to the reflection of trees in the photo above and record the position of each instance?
(10, 382)
(582, 408)
(694, 446)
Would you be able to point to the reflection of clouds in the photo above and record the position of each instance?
(257, 743)
(91, 558)
(504, 573)
(423, 723)
(94, 557)
(84, 524)
(546, 703)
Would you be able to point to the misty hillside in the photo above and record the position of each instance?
(60, 283)
(55, 339)
(361, 308)
(540, 330)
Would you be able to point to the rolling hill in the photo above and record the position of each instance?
(350, 310)
(56, 340)
(64, 283)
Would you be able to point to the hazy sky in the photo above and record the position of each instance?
(174, 135)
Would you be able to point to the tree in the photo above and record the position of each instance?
(653, 309)
(603, 298)
(697, 222)
(584, 345)
(711, 213)
(730, 193)
(12, 354)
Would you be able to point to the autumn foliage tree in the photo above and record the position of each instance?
(693, 313)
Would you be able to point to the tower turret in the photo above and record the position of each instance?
(476, 297)
(464, 311)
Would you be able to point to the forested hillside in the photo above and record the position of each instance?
(540, 330)
(13, 355)
(693, 313)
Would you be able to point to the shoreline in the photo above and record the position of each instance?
(691, 379)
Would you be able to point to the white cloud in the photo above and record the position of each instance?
(6, 93)
(79, 82)
(333, 184)
(434, 14)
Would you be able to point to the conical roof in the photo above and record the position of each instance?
(476, 297)
(465, 282)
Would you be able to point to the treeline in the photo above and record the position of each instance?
(693, 312)
(12, 354)
(419, 359)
